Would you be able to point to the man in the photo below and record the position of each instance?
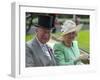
(38, 53)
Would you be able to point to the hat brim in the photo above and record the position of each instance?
(77, 29)
(36, 25)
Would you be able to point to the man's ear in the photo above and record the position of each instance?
(36, 30)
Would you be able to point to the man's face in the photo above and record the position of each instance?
(43, 35)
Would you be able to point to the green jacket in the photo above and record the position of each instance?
(65, 55)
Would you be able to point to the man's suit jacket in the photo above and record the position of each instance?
(36, 57)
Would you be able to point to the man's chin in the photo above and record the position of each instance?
(44, 42)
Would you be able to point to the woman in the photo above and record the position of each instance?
(67, 51)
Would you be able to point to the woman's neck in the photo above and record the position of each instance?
(67, 44)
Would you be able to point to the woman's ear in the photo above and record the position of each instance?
(76, 33)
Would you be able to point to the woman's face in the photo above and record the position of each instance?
(69, 37)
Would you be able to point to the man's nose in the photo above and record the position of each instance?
(46, 35)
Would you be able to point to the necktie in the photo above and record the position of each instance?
(45, 50)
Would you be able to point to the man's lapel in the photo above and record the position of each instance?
(40, 54)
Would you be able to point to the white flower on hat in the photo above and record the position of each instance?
(70, 26)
